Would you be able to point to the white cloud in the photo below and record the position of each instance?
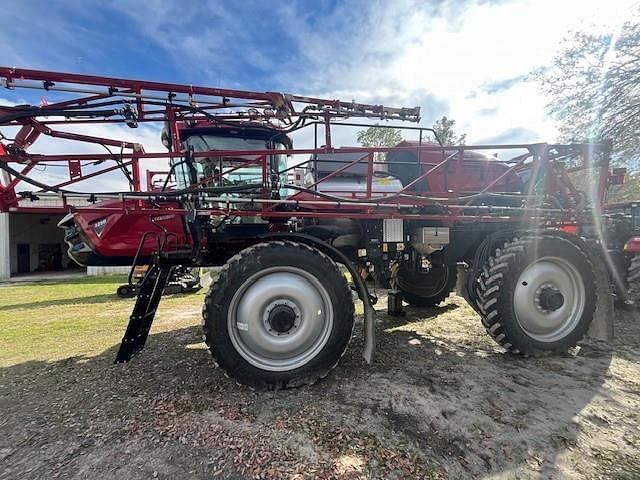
(472, 57)
(493, 43)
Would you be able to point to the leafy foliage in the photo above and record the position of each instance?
(445, 128)
(377, 136)
(594, 88)
(629, 191)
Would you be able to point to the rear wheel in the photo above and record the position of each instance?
(633, 279)
(427, 289)
(279, 315)
(537, 295)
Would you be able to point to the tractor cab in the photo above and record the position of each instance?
(115, 238)
(228, 169)
(629, 212)
(623, 222)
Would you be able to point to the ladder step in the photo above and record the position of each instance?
(141, 319)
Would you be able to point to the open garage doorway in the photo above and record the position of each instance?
(36, 244)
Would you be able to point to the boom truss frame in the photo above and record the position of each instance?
(97, 100)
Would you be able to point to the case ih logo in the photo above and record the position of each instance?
(161, 218)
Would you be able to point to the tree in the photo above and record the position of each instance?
(377, 136)
(629, 191)
(446, 132)
(594, 90)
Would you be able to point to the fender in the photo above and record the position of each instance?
(602, 324)
(336, 255)
(632, 246)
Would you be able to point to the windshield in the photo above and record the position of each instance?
(210, 167)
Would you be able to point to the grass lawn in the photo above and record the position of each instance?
(51, 321)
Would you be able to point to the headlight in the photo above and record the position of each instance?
(98, 226)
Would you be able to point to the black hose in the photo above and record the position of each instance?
(404, 196)
(174, 193)
(31, 112)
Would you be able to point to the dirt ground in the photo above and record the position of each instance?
(441, 401)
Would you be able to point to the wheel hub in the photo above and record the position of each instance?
(281, 318)
(549, 298)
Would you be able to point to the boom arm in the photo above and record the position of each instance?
(280, 105)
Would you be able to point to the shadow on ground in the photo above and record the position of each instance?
(439, 402)
(80, 300)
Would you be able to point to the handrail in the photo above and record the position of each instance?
(143, 240)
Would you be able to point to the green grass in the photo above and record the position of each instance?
(51, 321)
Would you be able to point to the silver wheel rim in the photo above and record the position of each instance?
(546, 275)
(255, 339)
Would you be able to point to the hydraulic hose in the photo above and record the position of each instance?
(404, 196)
(173, 193)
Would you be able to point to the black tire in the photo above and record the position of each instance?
(633, 279)
(427, 289)
(235, 279)
(124, 291)
(501, 281)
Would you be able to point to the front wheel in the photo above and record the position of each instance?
(279, 315)
(537, 295)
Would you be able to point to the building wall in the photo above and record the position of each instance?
(35, 229)
(5, 264)
(97, 271)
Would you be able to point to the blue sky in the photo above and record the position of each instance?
(468, 59)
